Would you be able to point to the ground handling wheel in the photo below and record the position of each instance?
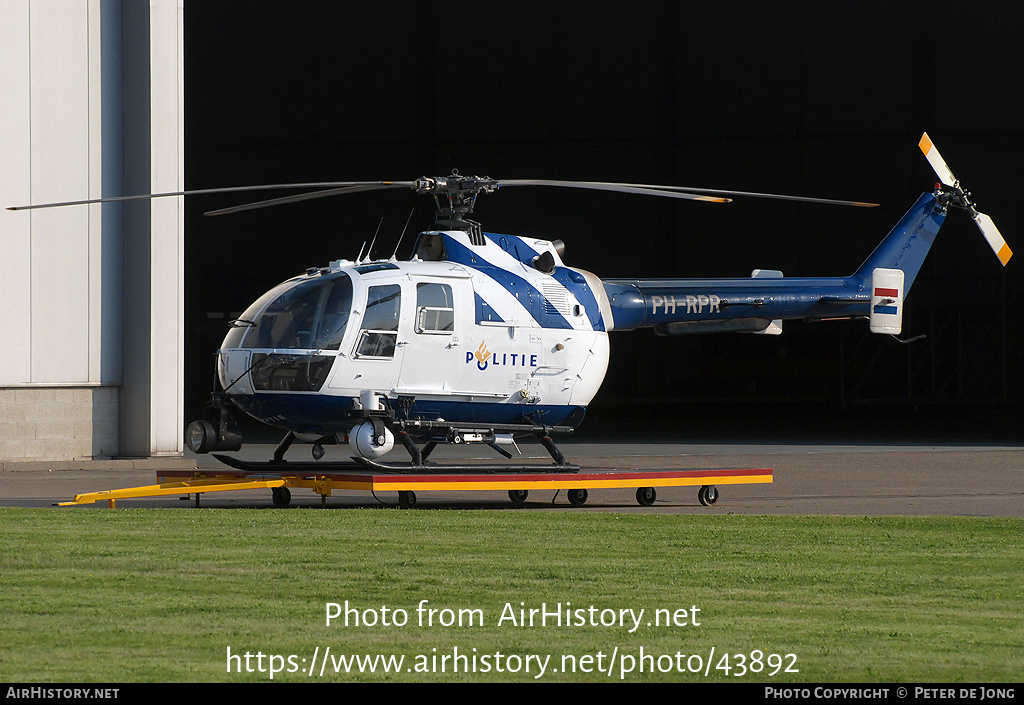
(406, 499)
(707, 495)
(577, 496)
(645, 496)
(518, 496)
(282, 496)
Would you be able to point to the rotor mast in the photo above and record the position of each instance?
(454, 198)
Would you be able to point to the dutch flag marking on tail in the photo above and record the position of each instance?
(885, 305)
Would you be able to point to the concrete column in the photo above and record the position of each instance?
(152, 395)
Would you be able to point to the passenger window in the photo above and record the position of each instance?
(379, 333)
(435, 312)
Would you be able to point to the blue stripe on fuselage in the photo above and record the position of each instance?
(514, 284)
(525, 253)
(583, 294)
(484, 311)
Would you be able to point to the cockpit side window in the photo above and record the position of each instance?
(334, 318)
(435, 310)
(379, 333)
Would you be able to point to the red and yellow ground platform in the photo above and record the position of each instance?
(406, 484)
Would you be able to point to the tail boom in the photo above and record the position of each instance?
(686, 306)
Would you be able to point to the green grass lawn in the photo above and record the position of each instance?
(162, 594)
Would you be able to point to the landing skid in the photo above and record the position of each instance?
(323, 468)
(456, 468)
(291, 467)
(437, 432)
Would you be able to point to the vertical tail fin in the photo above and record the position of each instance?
(907, 244)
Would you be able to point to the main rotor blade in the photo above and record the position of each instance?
(619, 188)
(354, 187)
(678, 191)
(936, 160)
(195, 192)
(333, 188)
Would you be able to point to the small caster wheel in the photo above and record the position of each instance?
(406, 499)
(282, 496)
(318, 451)
(577, 497)
(645, 496)
(707, 495)
(518, 496)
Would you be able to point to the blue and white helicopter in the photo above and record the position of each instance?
(482, 337)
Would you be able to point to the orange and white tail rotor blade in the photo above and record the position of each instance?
(963, 199)
(993, 237)
(936, 160)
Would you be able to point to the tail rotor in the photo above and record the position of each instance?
(957, 196)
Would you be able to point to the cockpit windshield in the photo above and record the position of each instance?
(311, 315)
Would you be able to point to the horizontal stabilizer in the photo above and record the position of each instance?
(775, 327)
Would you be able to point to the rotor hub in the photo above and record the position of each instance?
(455, 197)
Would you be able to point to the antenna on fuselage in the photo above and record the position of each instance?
(370, 250)
(407, 221)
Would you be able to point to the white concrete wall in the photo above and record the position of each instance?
(64, 68)
(15, 233)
